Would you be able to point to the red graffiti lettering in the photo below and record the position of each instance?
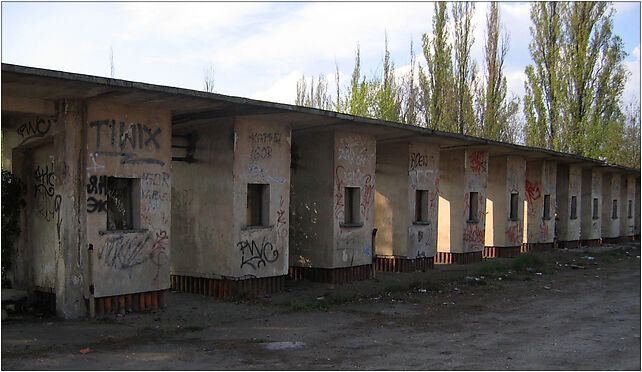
(532, 192)
(514, 233)
(472, 234)
(477, 162)
(368, 187)
(338, 207)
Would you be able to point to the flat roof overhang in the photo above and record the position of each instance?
(191, 107)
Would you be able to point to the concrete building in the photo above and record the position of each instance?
(135, 188)
(612, 206)
(540, 205)
(591, 216)
(462, 205)
(505, 206)
(569, 206)
(406, 205)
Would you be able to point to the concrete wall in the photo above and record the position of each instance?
(312, 200)
(128, 142)
(569, 184)
(402, 169)
(354, 166)
(461, 172)
(591, 189)
(261, 156)
(627, 224)
(541, 179)
(202, 205)
(638, 206)
(611, 190)
(508, 175)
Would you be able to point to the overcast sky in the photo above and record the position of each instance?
(258, 50)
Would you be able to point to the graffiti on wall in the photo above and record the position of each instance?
(255, 255)
(159, 251)
(121, 140)
(44, 190)
(281, 220)
(368, 196)
(124, 251)
(515, 234)
(97, 187)
(417, 160)
(37, 128)
(477, 162)
(532, 192)
(354, 178)
(354, 150)
(262, 143)
(474, 237)
(423, 241)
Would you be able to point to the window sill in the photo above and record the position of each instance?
(258, 227)
(572, 218)
(421, 223)
(595, 218)
(547, 219)
(127, 231)
(472, 221)
(350, 225)
(514, 219)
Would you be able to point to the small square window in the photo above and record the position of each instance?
(630, 214)
(120, 204)
(547, 207)
(352, 199)
(473, 210)
(258, 204)
(421, 206)
(614, 210)
(573, 207)
(596, 211)
(514, 206)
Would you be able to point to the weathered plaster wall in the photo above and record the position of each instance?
(201, 236)
(638, 206)
(391, 197)
(627, 224)
(506, 176)
(129, 142)
(569, 184)
(611, 190)
(591, 189)
(354, 166)
(261, 156)
(461, 172)
(424, 175)
(540, 181)
(312, 200)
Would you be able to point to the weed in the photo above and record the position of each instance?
(492, 267)
(527, 262)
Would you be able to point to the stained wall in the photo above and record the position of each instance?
(591, 189)
(568, 185)
(541, 177)
(611, 195)
(506, 176)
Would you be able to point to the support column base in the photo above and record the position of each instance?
(591, 242)
(507, 252)
(223, 288)
(130, 303)
(568, 244)
(458, 258)
(404, 265)
(334, 276)
(537, 247)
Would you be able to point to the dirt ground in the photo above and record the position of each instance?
(562, 310)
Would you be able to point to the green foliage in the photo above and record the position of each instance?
(527, 261)
(491, 267)
(464, 67)
(314, 95)
(12, 203)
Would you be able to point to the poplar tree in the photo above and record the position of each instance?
(358, 97)
(464, 67)
(544, 96)
(316, 95)
(387, 100)
(437, 84)
(498, 112)
(410, 93)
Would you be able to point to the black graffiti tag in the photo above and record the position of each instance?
(417, 160)
(30, 130)
(122, 137)
(254, 256)
(124, 252)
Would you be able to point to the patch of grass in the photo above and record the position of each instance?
(491, 267)
(193, 328)
(395, 288)
(323, 303)
(527, 261)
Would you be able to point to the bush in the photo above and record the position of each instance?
(12, 202)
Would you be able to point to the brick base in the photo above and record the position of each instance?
(336, 275)
(568, 244)
(591, 242)
(620, 239)
(404, 265)
(495, 252)
(458, 258)
(130, 303)
(536, 247)
(227, 287)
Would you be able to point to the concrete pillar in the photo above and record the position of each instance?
(71, 267)
(540, 190)
(569, 206)
(627, 221)
(591, 217)
(612, 205)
